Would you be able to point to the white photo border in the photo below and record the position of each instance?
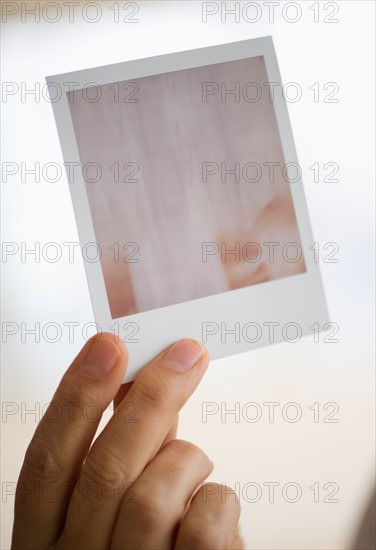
(295, 299)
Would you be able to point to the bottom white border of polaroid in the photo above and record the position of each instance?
(237, 321)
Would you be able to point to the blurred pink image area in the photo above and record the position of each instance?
(184, 205)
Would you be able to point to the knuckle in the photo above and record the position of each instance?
(104, 473)
(152, 507)
(180, 446)
(151, 393)
(42, 462)
(76, 399)
(217, 495)
(233, 497)
(187, 450)
(205, 535)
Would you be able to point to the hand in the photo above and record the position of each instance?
(132, 488)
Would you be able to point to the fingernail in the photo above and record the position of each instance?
(101, 358)
(183, 355)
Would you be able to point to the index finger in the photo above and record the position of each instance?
(62, 439)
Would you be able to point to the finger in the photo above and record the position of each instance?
(237, 543)
(54, 457)
(172, 432)
(124, 389)
(150, 512)
(211, 521)
(130, 441)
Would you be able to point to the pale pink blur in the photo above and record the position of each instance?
(170, 212)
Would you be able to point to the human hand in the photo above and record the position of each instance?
(132, 487)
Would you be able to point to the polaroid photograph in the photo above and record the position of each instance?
(189, 200)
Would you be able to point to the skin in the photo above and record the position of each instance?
(136, 486)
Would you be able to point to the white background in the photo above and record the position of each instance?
(304, 452)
